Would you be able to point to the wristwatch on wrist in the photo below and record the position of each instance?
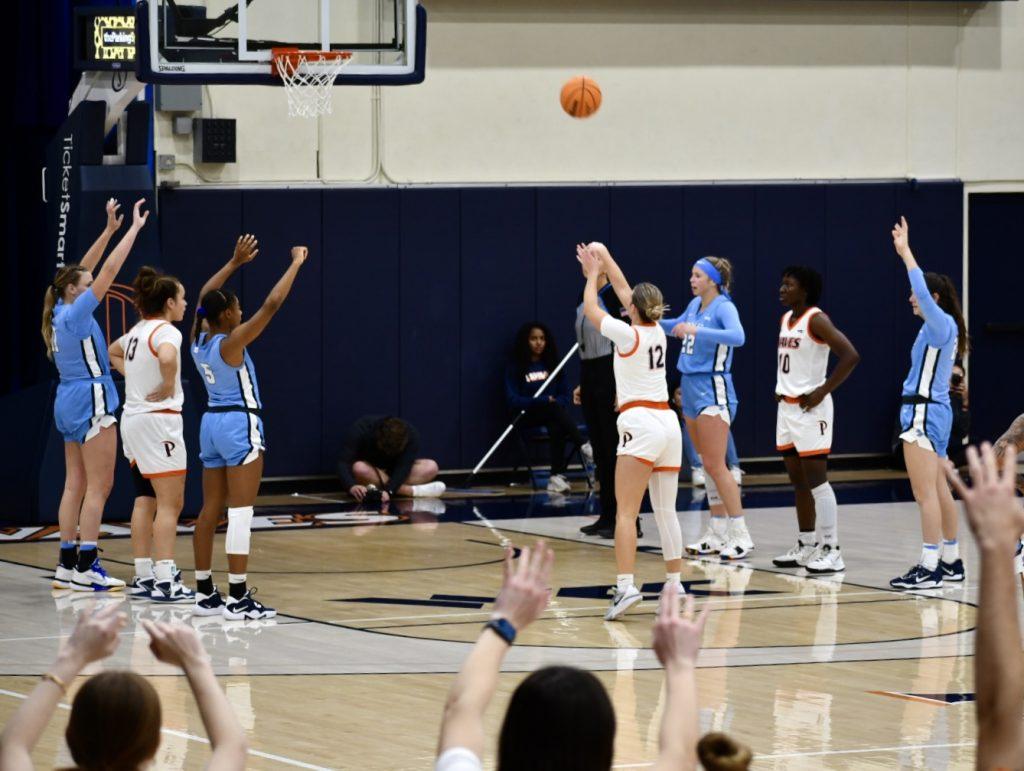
(502, 628)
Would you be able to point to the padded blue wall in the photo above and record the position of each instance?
(411, 297)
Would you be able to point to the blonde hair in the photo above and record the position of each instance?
(725, 268)
(66, 276)
(720, 752)
(649, 302)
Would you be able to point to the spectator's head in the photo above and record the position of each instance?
(800, 285)
(648, 304)
(534, 342)
(220, 308)
(158, 295)
(391, 436)
(122, 699)
(558, 718)
(944, 293)
(710, 273)
(720, 752)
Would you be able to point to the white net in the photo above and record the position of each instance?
(308, 78)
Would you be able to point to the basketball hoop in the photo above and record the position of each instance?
(308, 77)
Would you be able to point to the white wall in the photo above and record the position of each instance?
(721, 89)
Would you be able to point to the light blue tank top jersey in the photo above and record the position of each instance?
(79, 349)
(710, 350)
(934, 351)
(226, 386)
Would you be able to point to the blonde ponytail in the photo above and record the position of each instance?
(65, 277)
(649, 302)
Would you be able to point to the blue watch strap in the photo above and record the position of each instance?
(502, 628)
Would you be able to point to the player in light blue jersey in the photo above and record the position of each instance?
(926, 417)
(86, 399)
(710, 329)
(231, 442)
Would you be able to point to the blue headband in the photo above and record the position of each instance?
(712, 272)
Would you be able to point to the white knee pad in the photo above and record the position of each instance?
(239, 529)
(663, 488)
(714, 499)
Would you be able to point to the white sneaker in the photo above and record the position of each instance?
(709, 543)
(95, 579)
(588, 454)
(171, 592)
(738, 544)
(558, 484)
(208, 604)
(737, 474)
(697, 477)
(247, 607)
(623, 601)
(796, 557)
(828, 559)
(141, 588)
(429, 490)
(62, 577)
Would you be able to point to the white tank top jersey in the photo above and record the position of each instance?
(639, 362)
(803, 359)
(142, 367)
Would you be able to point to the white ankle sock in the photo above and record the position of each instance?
(623, 581)
(809, 538)
(720, 526)
(144, 567)
(164, 570)
(930, 555)
(671, 578)
(950, 551)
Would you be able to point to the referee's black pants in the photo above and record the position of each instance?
(597, 392)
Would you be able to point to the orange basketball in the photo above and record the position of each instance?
(581, 97)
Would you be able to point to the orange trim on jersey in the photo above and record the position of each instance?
(667, 468)
(150, 341)
(646, 324)
(784, 447)
(790, 399)
(635, 347)
(648, 405)
(163, 412)
(180, 473)
(642, 460)
(813, 337)
(812, 453)
(802, 317)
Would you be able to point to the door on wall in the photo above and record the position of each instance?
(996, 311)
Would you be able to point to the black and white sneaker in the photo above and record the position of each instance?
(171, 592)
(247, 607)
(918, 577)
(140, 588)
(623, 601)
(953, 571)
(208, 604)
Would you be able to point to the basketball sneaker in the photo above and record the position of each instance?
(246, 607)
(559, 484)
(62, 577)
(95, 579)
(171, 592)
(697, 477)
(738, 544)
(429, 490)
(623, 601)
(141, 588)
(952, 571)
(208, 604)
(797, 557)
(918, 577)
(709, 543)
(828, 559)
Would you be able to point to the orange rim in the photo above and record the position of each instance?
(296, 55)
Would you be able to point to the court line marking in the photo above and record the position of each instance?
(200, 739)
(863, 751)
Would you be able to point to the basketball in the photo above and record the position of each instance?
(581, 97)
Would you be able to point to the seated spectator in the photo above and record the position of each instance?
(534, 357)
(382, 451)
(561, 717)
(115, 716)
(996, 519)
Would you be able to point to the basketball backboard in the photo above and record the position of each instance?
(222, 41)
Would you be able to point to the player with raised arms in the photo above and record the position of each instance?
(231, 440)
(710, 329)
(152, 431)
(86, 399)
(926, 418)
(650, 446)
(804, 421)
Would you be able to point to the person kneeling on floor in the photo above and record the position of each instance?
(381, 451)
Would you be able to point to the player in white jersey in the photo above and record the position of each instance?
(803, 427)
(650, 443)
(149, 356)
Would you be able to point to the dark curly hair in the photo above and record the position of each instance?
(808, 278)
(521, 349)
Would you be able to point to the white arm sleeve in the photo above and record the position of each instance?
(619, 332)
(458, 759)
